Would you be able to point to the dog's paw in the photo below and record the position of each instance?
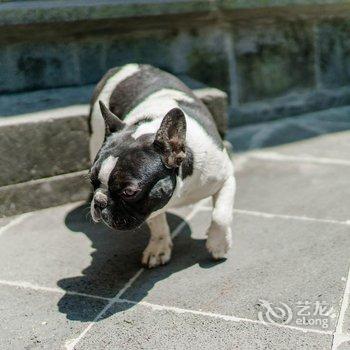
(158, 252)
(219, 243)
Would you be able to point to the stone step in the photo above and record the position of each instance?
(274, 58)
(43, 193)
(44, 154)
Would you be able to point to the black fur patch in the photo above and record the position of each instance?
(139, 165)
(148, 80)
(187, 164)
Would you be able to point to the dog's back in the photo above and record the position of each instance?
(138, 92)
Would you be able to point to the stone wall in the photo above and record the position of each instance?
(44, 155)
(273, 58)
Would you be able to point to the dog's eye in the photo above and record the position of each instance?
(130, 192)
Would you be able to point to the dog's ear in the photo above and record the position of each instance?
(170, 139)
(112, 122)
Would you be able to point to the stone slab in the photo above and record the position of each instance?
(31, 319)
(334, 146)
(48, 141)
(139, 327)
(68, 101)
(34, 12)
(72, 101)
(277, 260)
(294, 129)
(43, 193)
(291, 105)
(24, 12)
(273, 58)
(66, 250)
(34, 148)
(293, 188)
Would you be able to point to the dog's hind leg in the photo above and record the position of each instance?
(158, 250)
(219, 233)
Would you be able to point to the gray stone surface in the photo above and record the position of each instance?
(24, 12)
(66, 250)
(294, 188)
(53, 254)
(42, 63)
(334, 146)
(273, 59)
(344, 345)
(30, 320)
(34, 148)
(271, 259)
(334, 44)
(72, 101)
(43, 193)
(291, 104)
(292, 130)
(139, 327)
(69, 101)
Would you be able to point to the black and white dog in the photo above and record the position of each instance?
(163, 152)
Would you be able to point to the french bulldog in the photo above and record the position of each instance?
(154, 146)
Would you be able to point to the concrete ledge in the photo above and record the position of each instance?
(289, 105)
(31, 12)
(43, 193)
(38, 12)
(33, 147)
(44, 154)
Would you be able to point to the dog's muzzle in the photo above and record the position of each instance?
(98, 204)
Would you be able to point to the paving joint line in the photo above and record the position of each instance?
(221, 316)
(279, 157)
(154, 307)
(283, 216)
(70, 344)
(339, 337)
(36, 287)
(14, 222)
(292, 217)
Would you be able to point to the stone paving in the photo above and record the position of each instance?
(67, 283)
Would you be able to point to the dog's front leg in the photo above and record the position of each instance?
(158, 251)
(219, 233)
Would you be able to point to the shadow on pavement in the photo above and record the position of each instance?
(116, 259)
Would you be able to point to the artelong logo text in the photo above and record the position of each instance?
(316, 314)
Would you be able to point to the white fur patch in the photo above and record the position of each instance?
(106, 169)
(157, 105)
(97, 122)
(147, 128)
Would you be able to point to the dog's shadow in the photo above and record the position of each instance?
(116, 259)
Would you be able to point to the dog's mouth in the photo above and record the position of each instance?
(121, 222)
(95, 212)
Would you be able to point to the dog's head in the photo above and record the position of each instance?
(133, 177)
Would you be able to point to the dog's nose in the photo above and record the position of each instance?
(100, 200)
